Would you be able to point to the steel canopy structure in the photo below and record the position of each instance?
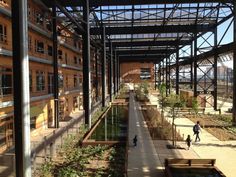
(167, 33)
(171, 34)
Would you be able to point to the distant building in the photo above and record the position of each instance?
(136, 72)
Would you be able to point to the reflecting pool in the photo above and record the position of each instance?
(113, 127)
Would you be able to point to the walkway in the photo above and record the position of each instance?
(210, 147)
(143, 160)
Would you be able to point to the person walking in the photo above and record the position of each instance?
(135, 140)
(196, 130)
(188, 141)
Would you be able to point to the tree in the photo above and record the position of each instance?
(144, 88)
(162, 90)
(195, 107)
(174, 102)
(142, 91)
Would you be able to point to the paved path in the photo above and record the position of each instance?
(210, 147)
(143, 160)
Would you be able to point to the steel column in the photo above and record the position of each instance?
(111, 72)
(55, 68)
(96, 72)
(21, 88)
(115, 73)
(155, 76)
(118, 73)
(215, 68)
(195, 66)
(234, 68)
(169, 77)
(167, 81)
(159, 74)
(191, 66)
(177, 70)
(104, 68)
(161, 71)
(119, 76)
(86, 65)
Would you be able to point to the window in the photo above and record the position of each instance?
(75, 103)
(49, 50)
(80, 81)
(29, 11)
(145, 73)
(75, 43)
(60, 80)
(60, 54)
(33, 122)
(79, 46)
(5, 81)
(40, 80)
(30, 43)
(67, 83)
(30, 81)
(39, 46)
(61, 109)
(80, 61)
(50, 83)
(75, 81)
(49, 24)
(39, 18)
(3, 33)
(66, 58)
(75, 60)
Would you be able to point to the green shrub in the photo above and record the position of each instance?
(67, 172)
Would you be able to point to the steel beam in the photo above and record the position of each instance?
(97, 3)
(104, 67)
(55, 68)
(154, 58)
(153, 29)
(21, 88)
(79, 28)
(234, 67)
(149, 43)
(147, 51)
(86, 65)
(220, 50)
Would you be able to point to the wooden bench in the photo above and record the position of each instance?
(190, 162)
(202, 110)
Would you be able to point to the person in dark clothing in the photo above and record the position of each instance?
(135, 140)
(197, 129)
(188, 141)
